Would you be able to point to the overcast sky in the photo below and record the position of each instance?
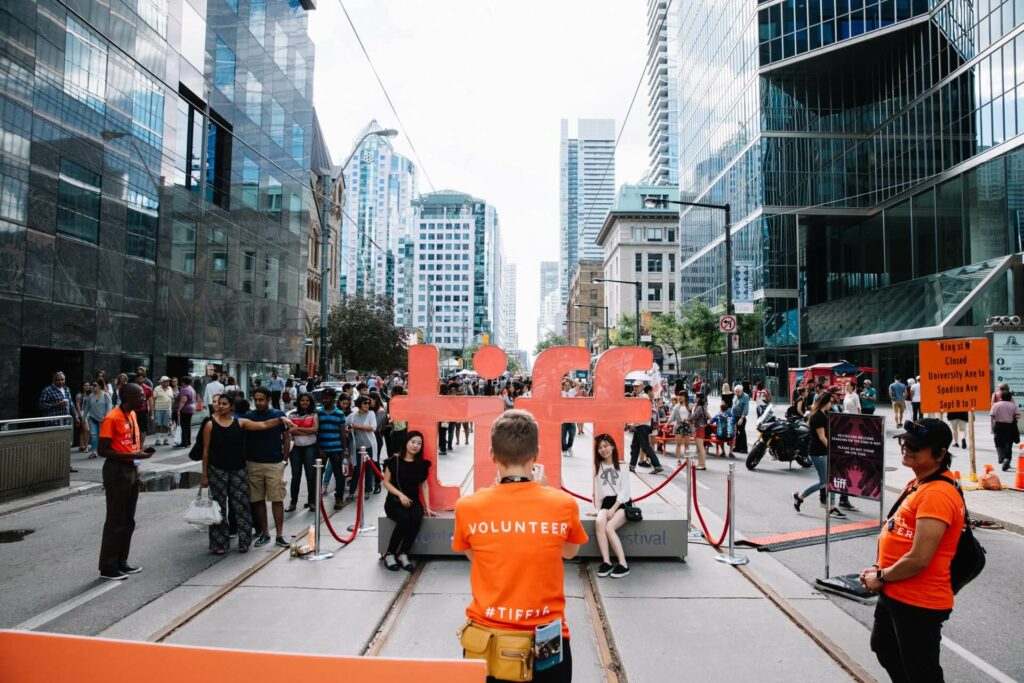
(481, 87)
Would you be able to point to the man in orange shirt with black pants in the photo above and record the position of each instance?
(916, 546)
(120, 443)
(516, 534)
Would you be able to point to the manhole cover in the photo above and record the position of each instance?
(15, 535)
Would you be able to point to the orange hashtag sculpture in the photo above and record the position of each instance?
(609, 409)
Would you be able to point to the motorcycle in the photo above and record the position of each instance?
(786, 438)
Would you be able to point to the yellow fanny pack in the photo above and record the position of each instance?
(509, 654)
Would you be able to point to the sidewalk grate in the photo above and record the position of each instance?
(800, 539)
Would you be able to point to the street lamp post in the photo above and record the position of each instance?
(639, 286)
(607, 337)
(326, 184)
(654, 202)
(582, 322)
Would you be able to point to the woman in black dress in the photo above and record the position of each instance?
(405, 477)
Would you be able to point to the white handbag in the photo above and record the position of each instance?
(203, 510)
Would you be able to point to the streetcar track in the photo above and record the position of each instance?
(382, 631)
(206, 603)
(611, 663)
(829, 646)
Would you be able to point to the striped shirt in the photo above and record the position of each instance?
(333, 432)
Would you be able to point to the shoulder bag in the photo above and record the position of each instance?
(969, 559)
(633, 513)
(509, 654)
(196, 453)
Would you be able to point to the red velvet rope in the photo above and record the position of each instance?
(359, 504)
(696, 507)
(638, 498)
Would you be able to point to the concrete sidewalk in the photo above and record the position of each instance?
(666, 620)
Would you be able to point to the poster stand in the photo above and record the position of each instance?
(862, 438)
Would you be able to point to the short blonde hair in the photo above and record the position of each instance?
(514, 438)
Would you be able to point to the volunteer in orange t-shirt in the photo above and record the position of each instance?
(121, 446)
(516, 534)
(915, 548)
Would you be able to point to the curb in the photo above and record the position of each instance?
(1009, 526)
(56, 497)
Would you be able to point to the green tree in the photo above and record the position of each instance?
(549, 340)
(667, 330)
(701, 327)
(625, 330)
(363, 335)
(514, 366)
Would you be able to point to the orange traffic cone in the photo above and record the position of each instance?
(1019, 483)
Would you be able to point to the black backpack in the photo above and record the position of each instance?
(197, 446)
(969, 559)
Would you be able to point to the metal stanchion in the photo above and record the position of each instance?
(693, 532)
(317, 554)
(364, 459)
(732, 557)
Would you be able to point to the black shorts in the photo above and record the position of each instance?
(607, 502)
(143, 420)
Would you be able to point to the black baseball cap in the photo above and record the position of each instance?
(927, 432)
(329, 391)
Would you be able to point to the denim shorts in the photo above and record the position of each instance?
(161, 418)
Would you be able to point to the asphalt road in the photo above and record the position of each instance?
(989, 613)
(58, 561)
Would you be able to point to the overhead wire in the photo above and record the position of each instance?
(387, 96)
(625, 120)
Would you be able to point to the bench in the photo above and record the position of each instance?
(661, 534)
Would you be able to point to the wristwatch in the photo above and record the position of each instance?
(880, 575)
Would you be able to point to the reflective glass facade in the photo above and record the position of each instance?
(862, 145)
(139, 181)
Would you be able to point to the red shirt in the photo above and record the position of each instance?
(148, 393)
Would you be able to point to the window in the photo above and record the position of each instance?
(638, 234)
(218, 150)
(193, 37)
(280, 47)
(671, 263)
(671, 291)
(154, 13)
(85, 65)
(300, 74)
(654, 234)
(671, 235)
(141, 225)
(276, 122)
(233, 4)
(218, 257)
(218, 161)
(298, 137)
(654, 291)
(183, 246)
(247, 274)
(258, 19)
(654, 263)
(638, 262)
(224, 69)
(78, 202)
(274, 195)
(148, 110)
(250, 182)
(253, 99)
(273, 277)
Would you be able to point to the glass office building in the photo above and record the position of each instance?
(870, 152)
(154, 188)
